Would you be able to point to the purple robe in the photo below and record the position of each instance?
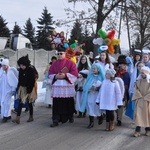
(63, 88)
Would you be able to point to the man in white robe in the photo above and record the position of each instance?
(8, 85)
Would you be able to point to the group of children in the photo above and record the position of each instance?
(108, 88)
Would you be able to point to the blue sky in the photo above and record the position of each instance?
(20, 10)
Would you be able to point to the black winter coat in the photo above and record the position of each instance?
(27, 78)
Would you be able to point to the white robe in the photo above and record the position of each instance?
(91, 107)
(79, 94)
(48, 98)
(8, 84)
(109, 96)
(79, 97)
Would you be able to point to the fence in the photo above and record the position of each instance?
(39, 58)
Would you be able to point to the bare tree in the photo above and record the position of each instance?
(138, 15)
(98, 12)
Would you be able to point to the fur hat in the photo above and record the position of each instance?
(24, 61)
(111, 72)
(5, 62)
(122, 59)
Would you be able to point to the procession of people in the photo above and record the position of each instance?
(80, 89)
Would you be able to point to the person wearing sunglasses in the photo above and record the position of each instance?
(63, 73)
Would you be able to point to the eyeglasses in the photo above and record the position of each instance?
(60, 53)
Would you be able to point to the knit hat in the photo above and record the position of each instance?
(5, 62)
(24, 61)
(111, 72)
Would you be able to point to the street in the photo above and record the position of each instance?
(38, 135)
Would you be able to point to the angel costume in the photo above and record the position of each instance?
(8, 85)
(110, 97)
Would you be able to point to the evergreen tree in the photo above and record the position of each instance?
(16, 29)
(76, 33)
(44, 29)
(29, 31)
(4, 31)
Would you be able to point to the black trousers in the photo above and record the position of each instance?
(30, 106)
(63, 109)
(109, 115)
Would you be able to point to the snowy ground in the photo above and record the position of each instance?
(41, 92)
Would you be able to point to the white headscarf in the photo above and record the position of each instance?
(134, 76)
(5, 62)
(146, 71)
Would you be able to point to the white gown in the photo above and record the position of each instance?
(7, 86)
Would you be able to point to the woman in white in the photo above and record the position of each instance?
(110, 97)
(8, 85)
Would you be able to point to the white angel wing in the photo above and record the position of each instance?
(121, 85)
(12, 77)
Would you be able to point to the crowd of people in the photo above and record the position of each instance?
(97, 89)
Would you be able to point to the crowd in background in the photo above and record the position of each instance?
(95, 88)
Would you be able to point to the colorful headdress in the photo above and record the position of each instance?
(70, 54)
(107, 40)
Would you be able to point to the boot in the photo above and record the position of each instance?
(112, 125)
(84, 114)
(100, 119)
(136, 134)
(17, 120)
(147, 133)
(91, 125)
(80, 115)
(30, 118)
(107, 126)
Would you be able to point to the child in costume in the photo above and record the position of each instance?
(46, 84)
(110, 97)
(124, 75)
(83, 68)
(90, 92)
(141, 98)
(130, 107)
